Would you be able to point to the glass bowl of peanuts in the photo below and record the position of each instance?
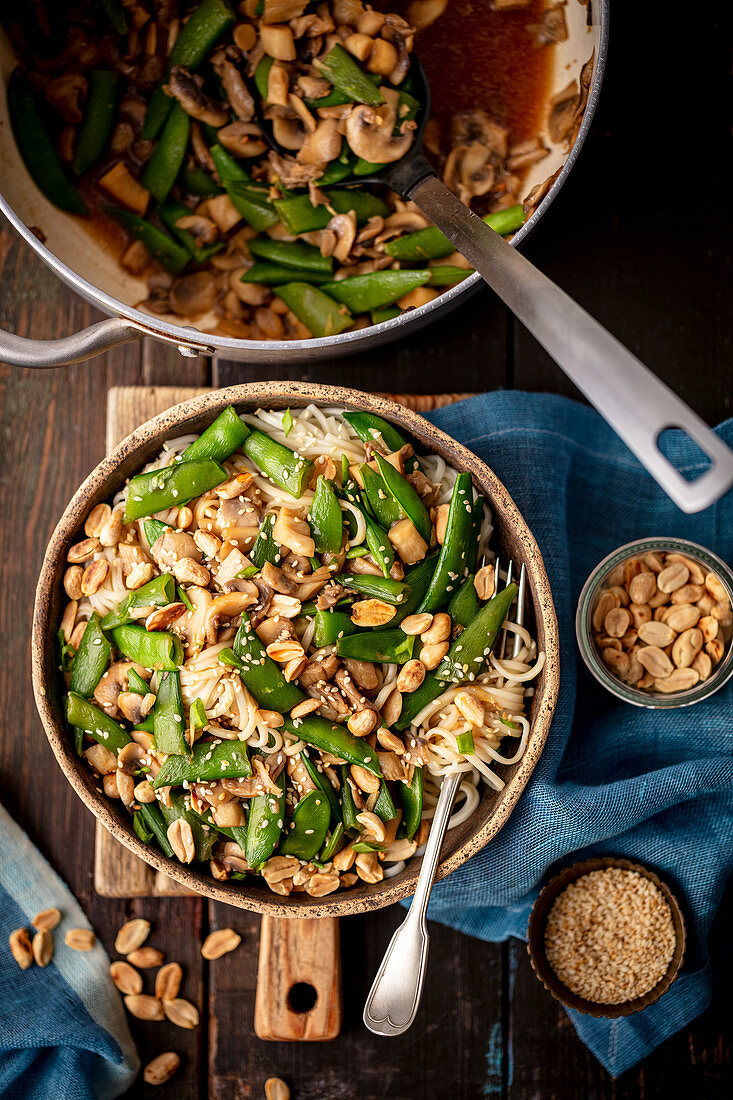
(654, 622)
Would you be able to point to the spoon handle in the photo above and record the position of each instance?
(636, 404)
(394, 998)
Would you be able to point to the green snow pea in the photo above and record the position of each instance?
(375, 588)
(331, 626)
(203, 839)
(457, 548)
(324, 784)
(220, 440)
(431, 244)
(169, 727)
(161, 247)
(447, 275)
(384, 807)
(334, 843)
(294, 254)
(384, 507)
(155, 824)
(387, 646)
(379, 545)
(85, 716)
(158, 592)
(271, 274)
(260, 675)
(278, 462)
(330, 737)
(149, 648)
(321, 314)
(406, 497)
(92, 659)
(265, 825)
(171, 214)
(167, 159)
(411, 797)
(265, 547)
(299, 215)
(171, 487)
(98, 117)
(361, 293)
(307, 832)
(348, 807)
(341, 70)
(207, 763)
(464, 605)
(325, 518)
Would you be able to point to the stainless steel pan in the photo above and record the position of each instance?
(65, 244)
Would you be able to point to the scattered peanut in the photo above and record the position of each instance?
(168, 982)
(46, 920)
(220, 942)
(80, 939)
(144, 1007)
(161, 1068)
(180, 1012)
(146, 957)
(132, 935)
(21, 947)
(42, 947)
(126, 977)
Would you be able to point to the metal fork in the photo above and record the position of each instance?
(394, 998)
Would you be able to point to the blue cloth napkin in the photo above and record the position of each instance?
(63, 1030)
(654, 786)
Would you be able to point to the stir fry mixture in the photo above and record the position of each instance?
(228, 145)
(279, 638)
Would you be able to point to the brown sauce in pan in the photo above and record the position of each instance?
(475, 56)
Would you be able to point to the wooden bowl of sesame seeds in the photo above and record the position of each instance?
(606, 937)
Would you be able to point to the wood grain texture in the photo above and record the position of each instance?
(293, 953)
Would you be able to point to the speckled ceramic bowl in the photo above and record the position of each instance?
(536, 940)
(512, 537)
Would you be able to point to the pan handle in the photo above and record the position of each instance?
(102, 336)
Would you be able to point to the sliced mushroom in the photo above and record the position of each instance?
(236, 90)
(468, 171)
(192, 626)
(228, 606)
(192, 295)
(66, 94)
(276, 579)
(114, 681)
(322, 145)
(203, 229)
(369, 130)
(290, 172)
(344, 227)
(188, 90)
(242, 139)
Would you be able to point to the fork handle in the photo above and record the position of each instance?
(637, 404)
(394, 998)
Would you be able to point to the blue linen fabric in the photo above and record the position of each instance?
(63, 1030)
(614, 779)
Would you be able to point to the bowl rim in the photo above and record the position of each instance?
(548, 977)
(588, 651)
(44, 666)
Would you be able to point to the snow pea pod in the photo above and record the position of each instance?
(334, 843)
(261, 676)
(384, 507)
(406, 497)
(265, 547)
(262, 75)
(167, 159)
(379, 545)
(208, 762)
(368, 426)
(203, 839)
(341, 70)
(375, 588)
(278, 462)
(465, 658)
(387, 314)
(154, 528)
(195, 181)
(161, 247)
(252, 203)
(85, 716)
(325, 518)
(169, 727)
(348, 807)
(456, 549)
(299, 215)
(333, 738)
(136, 684)
(195, 40)
(384, 807)
(321, 314)
(464, 605)
(220, 440)
(411, 797)
(331, 626)
(154, 822)
(158, 592)
(362, 293)
(265, 824)
(308, 828)
(171, 487)
(388, 646)
(271, 274)
(324, 784)
(431, 244)
(294, 254)
(447, 275)
(36, 148)
(92, 659)
(418, 579)
(98, 117)
(149, 648)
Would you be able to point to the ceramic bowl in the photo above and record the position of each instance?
(512, 538)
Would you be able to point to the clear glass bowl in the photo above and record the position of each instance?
(655, 700)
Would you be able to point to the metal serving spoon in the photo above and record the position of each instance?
(394, 998)
(637, 405)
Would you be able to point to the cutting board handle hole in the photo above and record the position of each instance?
(302, 997)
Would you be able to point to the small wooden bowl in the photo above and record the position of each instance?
(536, 940)
(513, 538)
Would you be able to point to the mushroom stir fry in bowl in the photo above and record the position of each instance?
(156, 120)
(279, 637)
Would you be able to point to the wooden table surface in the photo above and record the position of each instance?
(641, 237)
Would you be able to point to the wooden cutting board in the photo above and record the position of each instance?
(298, 958)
